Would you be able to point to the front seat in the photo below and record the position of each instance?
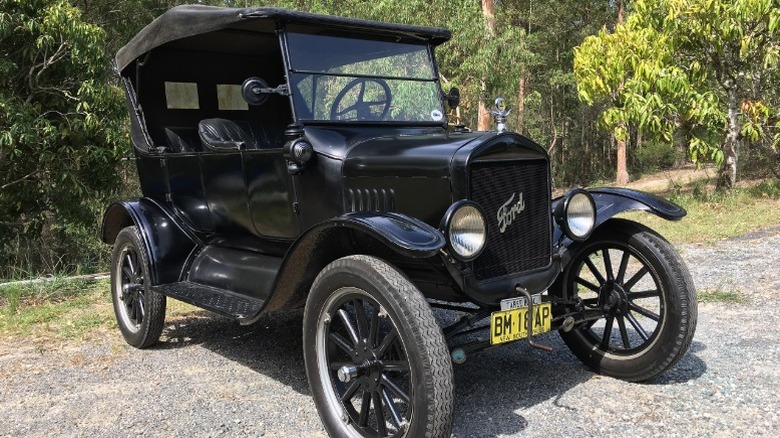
(222, 135)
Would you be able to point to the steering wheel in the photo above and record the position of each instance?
(363, 110)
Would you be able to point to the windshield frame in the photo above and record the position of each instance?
(350, 34)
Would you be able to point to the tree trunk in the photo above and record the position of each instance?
(483, 117)
(728, 172)
(621, 178)
(489, 14)
(521, 104)
(681, 137)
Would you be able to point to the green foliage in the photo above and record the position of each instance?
(653, 156)
(62, 136)
(689, 61)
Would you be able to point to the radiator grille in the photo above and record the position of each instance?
(525, 241)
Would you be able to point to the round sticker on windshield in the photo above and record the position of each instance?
(436, 115)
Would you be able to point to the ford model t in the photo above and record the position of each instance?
(289, 159)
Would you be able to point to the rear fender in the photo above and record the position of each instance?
(168, 244)
(367, 232)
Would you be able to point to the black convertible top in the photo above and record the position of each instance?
(190, 20)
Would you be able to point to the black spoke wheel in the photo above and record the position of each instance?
(376, 360)
(640, 289)
(353, 103)
(140, 312)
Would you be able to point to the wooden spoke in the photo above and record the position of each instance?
(342, 343)
(394, 414)
(390, 384)
(348, 326)
(360, 317)
(373, 332)
(587, 284)
(395, 365)
(644, 294)
(390, 338)
(637, 326)
(623, 332)
(594, 270)
(351, 390)
(365, 406)
(644, 312)
(607, 333)
(380, 414)
(607, 264)
(638, 276)
(623, 266)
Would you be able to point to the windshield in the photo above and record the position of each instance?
(344, 79)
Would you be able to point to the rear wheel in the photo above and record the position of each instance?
(376, 360)
(643, 299)
(140, 311)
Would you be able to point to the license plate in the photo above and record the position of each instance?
(511, 325)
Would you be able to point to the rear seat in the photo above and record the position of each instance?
(183, 140)
(263, 136)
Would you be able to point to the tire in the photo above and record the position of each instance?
(393, 356)
(635, 278)
(140, 311)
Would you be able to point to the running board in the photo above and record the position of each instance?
(221, 301)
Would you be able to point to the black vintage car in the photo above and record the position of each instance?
(289, 160)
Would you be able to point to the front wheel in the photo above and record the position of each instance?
(376, 360)
(638, 297)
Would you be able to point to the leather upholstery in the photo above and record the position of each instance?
(182, 139)
(222, 134)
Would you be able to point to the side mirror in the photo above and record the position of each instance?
(255, 91)
(453, 97)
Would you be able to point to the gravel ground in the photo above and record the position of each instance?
(211, 377)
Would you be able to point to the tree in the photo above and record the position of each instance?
(61, 132)
(694, 61)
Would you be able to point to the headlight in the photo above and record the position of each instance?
(576, 214)
(464, 226)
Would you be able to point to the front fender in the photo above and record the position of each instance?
(168, 245)
(405, 235)
(336, 238)
(610, 202)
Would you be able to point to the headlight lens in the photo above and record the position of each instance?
(580, 215)
(467, 231)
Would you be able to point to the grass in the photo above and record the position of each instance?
(720, 296)
(64, 310)
(55, 309)
(715, 216)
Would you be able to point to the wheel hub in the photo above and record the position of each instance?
(613, 299)
(366, 366)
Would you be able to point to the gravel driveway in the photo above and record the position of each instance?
(211, 377)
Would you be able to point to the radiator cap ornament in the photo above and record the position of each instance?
(499, 114)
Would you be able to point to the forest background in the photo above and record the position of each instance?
(611, 88)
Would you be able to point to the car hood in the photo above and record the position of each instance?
(410, 153)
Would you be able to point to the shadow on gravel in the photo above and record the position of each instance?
(272, 346)
(688, 368)
(491, 388)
